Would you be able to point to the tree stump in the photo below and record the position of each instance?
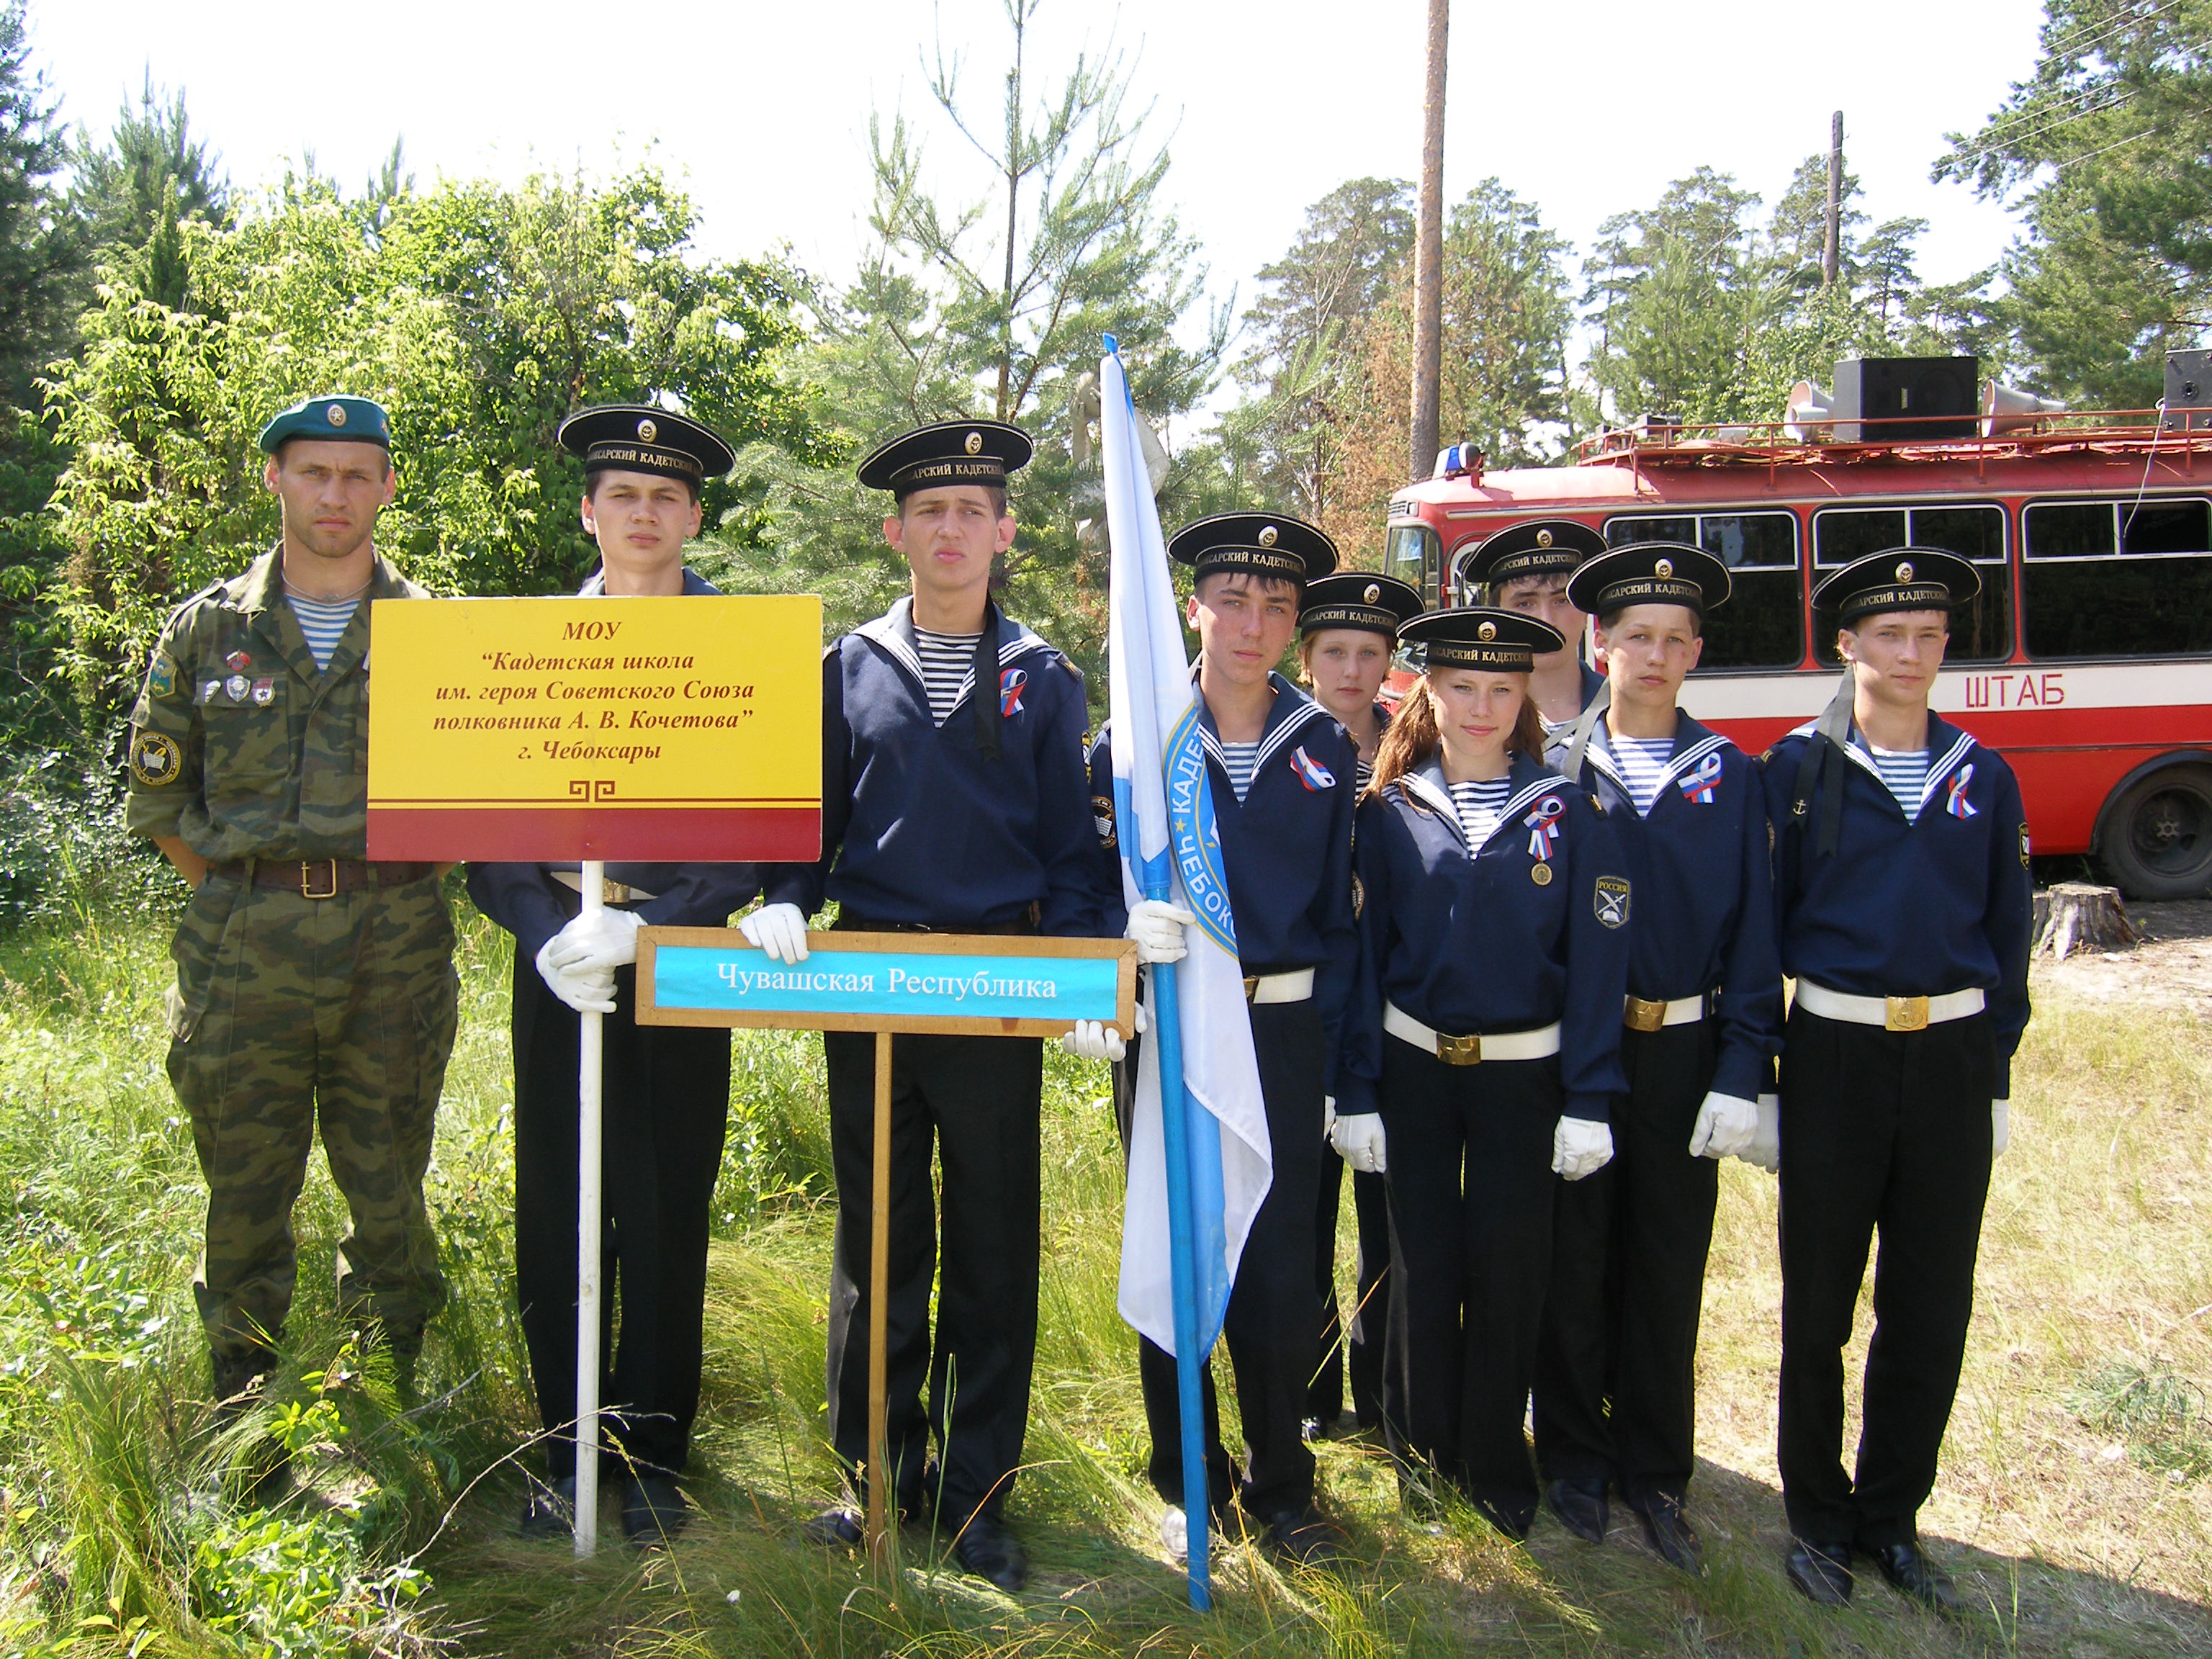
(2073, 915)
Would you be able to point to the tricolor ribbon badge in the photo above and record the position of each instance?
(1010, 691)
(1698, 785)
(1958, 806)
(1311, 773)
(1544, 827)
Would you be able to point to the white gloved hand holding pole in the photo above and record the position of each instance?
(1765, 1152)
(1360, 1142)
(1727, 1127)
(1580, 1146)
(596, 941)
(2000, 1126)
(587, 990)
(1157, 927)
(778, 929)
(1093, 1039)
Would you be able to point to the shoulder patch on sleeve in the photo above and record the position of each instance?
(156, 760)
(161, 675)
(1102, 815)
(1609, 900)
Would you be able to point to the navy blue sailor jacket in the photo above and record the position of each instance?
(919, 826)
(1938, 902)
(1471, 941)
(1286, 849)
(533, 904)
(1704, 900)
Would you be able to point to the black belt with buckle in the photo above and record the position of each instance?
(322, 878)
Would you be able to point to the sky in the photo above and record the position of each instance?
(1585, 109)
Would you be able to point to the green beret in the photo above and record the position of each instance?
(332, 420)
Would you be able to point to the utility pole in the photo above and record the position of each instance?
(1831, 253)
(1428, 254)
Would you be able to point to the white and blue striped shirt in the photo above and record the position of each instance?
(1238, 760)
(1905, 772)
(1642, 763)
(946, 659)
(322, 620)
(1479, 803)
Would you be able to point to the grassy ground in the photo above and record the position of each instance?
(2076, 1503)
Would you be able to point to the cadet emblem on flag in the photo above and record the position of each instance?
(1311, 773)
(1958, 806)
(1609, 899)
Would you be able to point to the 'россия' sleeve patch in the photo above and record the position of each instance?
(155, 759)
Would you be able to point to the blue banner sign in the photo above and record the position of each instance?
(889, 988)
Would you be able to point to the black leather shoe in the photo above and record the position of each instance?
(1581, 1507)
(550, 1510)
(1671, 1536)
(1821, 1573)
(652, 1510)
(1512, 1518)
(1914, 1576)
(837, 1527)
(986, 1548)
(1304, 1535)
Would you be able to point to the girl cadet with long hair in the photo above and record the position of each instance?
(1347, 627)
(1481, 1051)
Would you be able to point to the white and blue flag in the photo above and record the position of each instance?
(1163, 814)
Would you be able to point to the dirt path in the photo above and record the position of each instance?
(2172, 965)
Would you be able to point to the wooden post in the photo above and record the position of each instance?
(1429, 257)
(590, 1047)
(1831, 247)
(879, 1277)
(2075, 916)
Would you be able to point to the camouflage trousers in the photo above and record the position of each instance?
(288, 1012)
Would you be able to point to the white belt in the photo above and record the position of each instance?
(1296, 986)
(613, 892)
(1891, 1013)
(1469, 1050)
(1641, 1014)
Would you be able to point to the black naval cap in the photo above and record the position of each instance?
(1648, 573)
(1897, 579)
(1255, 544)
(329, 419)
(1358, 598)
(1540, 547)
(645, 438)
(1477, 636)
(950, 452)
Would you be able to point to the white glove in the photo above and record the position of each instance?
(2000, 1126)
(1157, 926)
(605, 941)
(1727, 1127)
(1765, 1152)
(1359, 1141)
(1580, 1146)
(1091, 1039)
(1328, 1119)
(587, 990)
(778, 929)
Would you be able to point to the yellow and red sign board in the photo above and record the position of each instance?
(640, 730)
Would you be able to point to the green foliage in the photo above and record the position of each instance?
(132, 194)
(2106, 151)
(479, 315)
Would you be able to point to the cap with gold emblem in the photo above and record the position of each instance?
(1540, 547)
(1260, 543)
(645, 438)
(1476, 636)
(1897, 579)
(1648, 573)
(332, 419)
(1358, 598)
(950, 452)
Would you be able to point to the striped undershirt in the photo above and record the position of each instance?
(1642, 763)
(322, 620)
(1479, 803)
(1363, 772)
(1905, 772)
(1238, 760)
(946, 660)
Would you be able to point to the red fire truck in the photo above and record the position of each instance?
(2087, 661)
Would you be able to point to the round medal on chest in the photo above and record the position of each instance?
(1541, 874)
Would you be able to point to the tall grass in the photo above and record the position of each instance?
(2075, 1503)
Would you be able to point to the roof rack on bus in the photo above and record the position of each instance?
(1806, 439)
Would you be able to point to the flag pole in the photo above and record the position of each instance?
(591, 1036)
(1167, 1027)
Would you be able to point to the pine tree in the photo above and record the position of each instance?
(39, 252)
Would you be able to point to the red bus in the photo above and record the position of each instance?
(2087, 662)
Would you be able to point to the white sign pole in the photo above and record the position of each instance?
(590, 1037)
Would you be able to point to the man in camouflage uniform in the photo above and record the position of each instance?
(311, 986)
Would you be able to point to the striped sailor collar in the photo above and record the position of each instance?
(894, 632)
(1947, 748)
(1289, 715)
(1530, 779)
(264, 582)
(1692, 743)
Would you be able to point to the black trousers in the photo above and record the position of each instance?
(1472, 1193)
(1616, 1374)
(1357, 1344)
(1884, 1134)
(665, 1101)
(975, 1102)
(1269, 1325)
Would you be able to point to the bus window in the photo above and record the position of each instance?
(1762, 625)
(2118, 579)
(1980, 631)
(1410, 554)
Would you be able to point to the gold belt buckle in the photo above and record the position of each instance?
(612, 891)
(1251, 986)
(1642, 1014)
(1459, 1050)
(1905, 1013)
(306, 877)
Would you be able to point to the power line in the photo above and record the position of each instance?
(1996, 132)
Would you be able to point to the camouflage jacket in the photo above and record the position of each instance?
(239, 744)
